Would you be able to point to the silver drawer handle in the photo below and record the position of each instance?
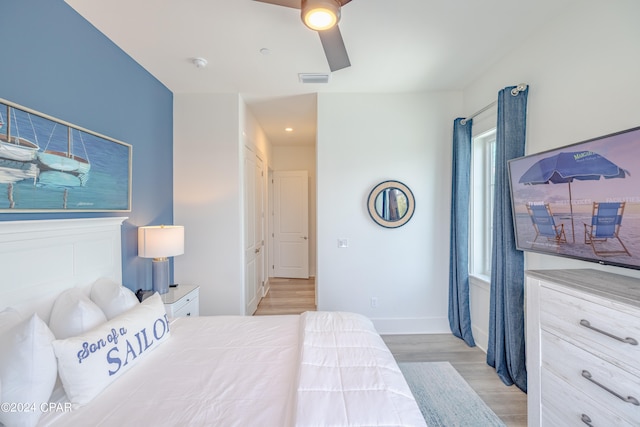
(628, 399)
(627, 340)
(586, 419)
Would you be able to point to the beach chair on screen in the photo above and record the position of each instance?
(606, 220)
(544, 224)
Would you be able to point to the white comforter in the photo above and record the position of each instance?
(348, 377)
(317, 369)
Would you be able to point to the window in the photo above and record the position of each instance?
(482, 190)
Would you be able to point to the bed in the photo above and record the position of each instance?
(128, 364)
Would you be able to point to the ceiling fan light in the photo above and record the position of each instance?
(320, 15)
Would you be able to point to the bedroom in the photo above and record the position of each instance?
(580, 67)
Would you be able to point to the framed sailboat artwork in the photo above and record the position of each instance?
(49, 165)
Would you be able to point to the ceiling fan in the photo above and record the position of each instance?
(322, 16)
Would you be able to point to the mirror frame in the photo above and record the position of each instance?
(371, 204)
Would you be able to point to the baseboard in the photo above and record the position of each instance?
(421, 325)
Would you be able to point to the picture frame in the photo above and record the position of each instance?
(50, 165)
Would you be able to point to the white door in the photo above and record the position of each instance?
(254, 229)
(291, 224)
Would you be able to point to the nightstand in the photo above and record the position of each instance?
(182, 301)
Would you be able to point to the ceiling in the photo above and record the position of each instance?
(393, 45)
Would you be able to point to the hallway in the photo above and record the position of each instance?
(288, 296)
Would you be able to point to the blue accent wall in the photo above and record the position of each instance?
(53, 61)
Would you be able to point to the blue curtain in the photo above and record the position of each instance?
(506, 349)
(459, 315)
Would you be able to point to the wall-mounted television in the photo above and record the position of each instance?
(581, 201)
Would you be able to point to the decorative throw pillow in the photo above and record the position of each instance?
(112, 298)
(90, 362)
(27, 371)
(74, 313)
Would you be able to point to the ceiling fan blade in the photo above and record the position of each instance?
(334, 49)
(296, 4)
(343, 2)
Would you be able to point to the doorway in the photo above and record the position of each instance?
(291, 224)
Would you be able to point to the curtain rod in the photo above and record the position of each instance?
(515, 91)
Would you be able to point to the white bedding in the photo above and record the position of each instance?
(212, 371)
(348, 377)
(246, 371)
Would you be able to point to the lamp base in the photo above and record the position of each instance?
(161, 275)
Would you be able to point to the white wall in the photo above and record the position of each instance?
(582, 69)
(209, 133)
(207, 198)
(290, 158)
(364, 139)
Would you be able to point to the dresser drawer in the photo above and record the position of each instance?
(577, 319)
(563, 405)
(575, 366)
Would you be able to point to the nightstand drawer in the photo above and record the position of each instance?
(182, 301)
(190, 309)
(597, 326)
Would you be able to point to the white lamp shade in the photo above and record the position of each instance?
(160, 241)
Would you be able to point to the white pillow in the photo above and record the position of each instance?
(74, 313)
(112, 298)
(90, 362)
(27, 369)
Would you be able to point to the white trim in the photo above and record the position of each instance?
(479, 297)
(417, 325)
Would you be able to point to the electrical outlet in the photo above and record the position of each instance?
(374, 302)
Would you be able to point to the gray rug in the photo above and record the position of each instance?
(445, 398)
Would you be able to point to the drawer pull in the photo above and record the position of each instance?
(627, 340)
(586, 419)
(629, 399)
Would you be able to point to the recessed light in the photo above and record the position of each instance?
(265, 51)
(288, 129)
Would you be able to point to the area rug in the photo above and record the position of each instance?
(444, 397)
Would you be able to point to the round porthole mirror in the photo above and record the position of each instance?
(391, 204)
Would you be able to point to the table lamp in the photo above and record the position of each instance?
(160, 242)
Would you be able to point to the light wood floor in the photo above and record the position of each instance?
(288, 296)
(293, 296)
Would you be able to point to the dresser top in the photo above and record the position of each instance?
(620, 288)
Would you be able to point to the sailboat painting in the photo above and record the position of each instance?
(49, 165)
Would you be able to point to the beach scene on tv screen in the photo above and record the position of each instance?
(581, 201)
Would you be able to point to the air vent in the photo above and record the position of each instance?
(313, 78)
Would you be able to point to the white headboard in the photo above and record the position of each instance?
(39, 259)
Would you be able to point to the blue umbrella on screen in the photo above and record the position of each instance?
(566, 167)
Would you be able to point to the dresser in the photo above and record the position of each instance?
(583, 352)
(182, 301)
